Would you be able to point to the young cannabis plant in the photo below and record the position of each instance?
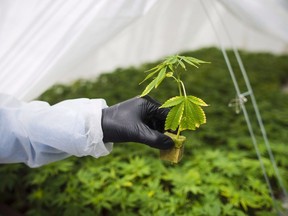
(186, 112)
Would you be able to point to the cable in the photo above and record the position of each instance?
(254, 103)
(234, 80)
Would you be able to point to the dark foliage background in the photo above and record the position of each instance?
(219, 174)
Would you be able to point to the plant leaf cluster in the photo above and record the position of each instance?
(221, 174)
(186, 112)
(167, 68)
(135, 185)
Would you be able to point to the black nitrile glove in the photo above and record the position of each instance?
(136, 120)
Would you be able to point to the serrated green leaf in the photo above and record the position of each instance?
(173, 101)
(156, 68)
(170, 67)
(189, 59)
(174, 117)
(148, 76)
(171, 60)
(148, 88)
(185, 114)
(197, 100)
(182, 64)
(199, 114)
(161, 76)
(193, 61)
(190, 62)
(197, 61)
(189, 121)
(193, 116)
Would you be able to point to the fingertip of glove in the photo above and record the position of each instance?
(167, 143)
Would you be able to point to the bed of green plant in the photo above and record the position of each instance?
(219, 174)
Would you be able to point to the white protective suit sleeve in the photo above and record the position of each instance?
(36, 133)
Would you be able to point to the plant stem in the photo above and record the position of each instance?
(178, 133)
(182, 91)
(183, 87)
(179, 87)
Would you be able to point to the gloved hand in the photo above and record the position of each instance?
(136, 120)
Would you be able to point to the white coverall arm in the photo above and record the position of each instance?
(36, 133)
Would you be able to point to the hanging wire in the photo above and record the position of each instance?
(236, 86)
(254, 103)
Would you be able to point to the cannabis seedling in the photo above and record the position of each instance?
(185, 110)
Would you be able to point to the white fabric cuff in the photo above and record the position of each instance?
(95, 146)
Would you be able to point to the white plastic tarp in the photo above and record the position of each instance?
(43, 42)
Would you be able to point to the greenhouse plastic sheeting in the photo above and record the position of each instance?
(46, 42)
(42, 41)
